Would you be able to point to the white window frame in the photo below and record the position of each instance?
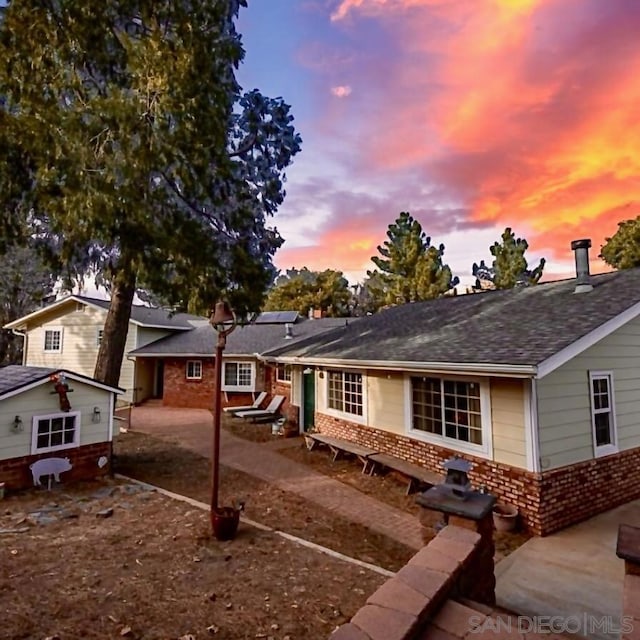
(44, 339)
(50, 416)
(605, 449)
(237, 387)
(352, 417)
(286, 369)
(193, 375)
(485, 450)
(99, 336)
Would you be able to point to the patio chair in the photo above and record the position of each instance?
(270, 411)
(248, 407)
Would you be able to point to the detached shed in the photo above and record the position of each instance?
(54, 413)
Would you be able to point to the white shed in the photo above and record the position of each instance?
(50, 413)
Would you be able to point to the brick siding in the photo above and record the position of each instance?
(15, 472)
(290, 411)
(546, 501)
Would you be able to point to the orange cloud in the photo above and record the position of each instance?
(523, 111)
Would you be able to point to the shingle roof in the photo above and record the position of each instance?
(522, 326)
(245, 340)
(14, 376)
(151, 316)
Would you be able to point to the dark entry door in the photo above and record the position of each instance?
(309, 390)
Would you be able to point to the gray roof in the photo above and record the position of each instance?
(244, 340)
(14, 376)
(150, 316)
(523, 326)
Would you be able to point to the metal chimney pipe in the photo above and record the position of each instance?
(288, 330)
(583, 277)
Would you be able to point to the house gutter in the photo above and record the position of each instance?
(25, 342)
(508, 370)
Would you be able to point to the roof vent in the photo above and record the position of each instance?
(288, 330)
(310, 315)
(583, 278)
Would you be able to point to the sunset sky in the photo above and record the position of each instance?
(471, 114)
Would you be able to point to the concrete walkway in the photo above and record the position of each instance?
(573, 573)
(192, 429)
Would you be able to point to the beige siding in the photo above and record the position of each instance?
(564, 403)
(127, 371)
(507, 417)
(79, 339)
(386, 400)
(145, 377)
(145, 336)
(296, 385)
(40, 401)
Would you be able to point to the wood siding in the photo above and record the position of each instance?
(388, 410)
(507, 417)
(40, 401)
(564, 402)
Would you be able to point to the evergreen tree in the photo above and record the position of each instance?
(509, 267)
(622, 250)
(147, 164)
(326, 291)
(410, 268)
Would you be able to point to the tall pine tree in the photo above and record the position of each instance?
(409, 267)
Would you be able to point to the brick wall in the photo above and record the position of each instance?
(15, 473)
(546, 501)
(283, 389)
(180, 392)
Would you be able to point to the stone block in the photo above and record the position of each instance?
(380, 623)
(427, 582)
(349, 631)
(457, 619)
(396, 594)
(458, 551)
(460, 534)
(432, 559)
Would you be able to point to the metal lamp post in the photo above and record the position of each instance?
(223, 521)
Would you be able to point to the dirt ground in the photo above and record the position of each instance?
(71, 569)
(164, 464)
(151, 570)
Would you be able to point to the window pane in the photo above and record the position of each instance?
(231, 373)
(56, 438)
(43, 426)
(427, 405)
(68, 436)
(43, 441)
(56, 424)
(463, 416)
(603, 429)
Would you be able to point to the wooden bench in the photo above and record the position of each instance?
(417, 475)
(338, 446)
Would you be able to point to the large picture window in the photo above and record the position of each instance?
(55, 431)
(603, 419)
(238, 376)
(53, 340)
(448, 409)
(344, 392)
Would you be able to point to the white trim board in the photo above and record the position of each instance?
(582, 344)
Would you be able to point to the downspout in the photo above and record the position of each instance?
(25, 342)
(135, 379)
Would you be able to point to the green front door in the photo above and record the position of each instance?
(309, 399)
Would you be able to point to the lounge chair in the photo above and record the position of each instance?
(248, 407)
(270, 411)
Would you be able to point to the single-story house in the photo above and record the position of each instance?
(539, 387)
(67, 333)
(187, 360)
(54, 413)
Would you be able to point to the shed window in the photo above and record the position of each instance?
(603, 419)
(55, 431)
(283, 373)
(53, 340)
